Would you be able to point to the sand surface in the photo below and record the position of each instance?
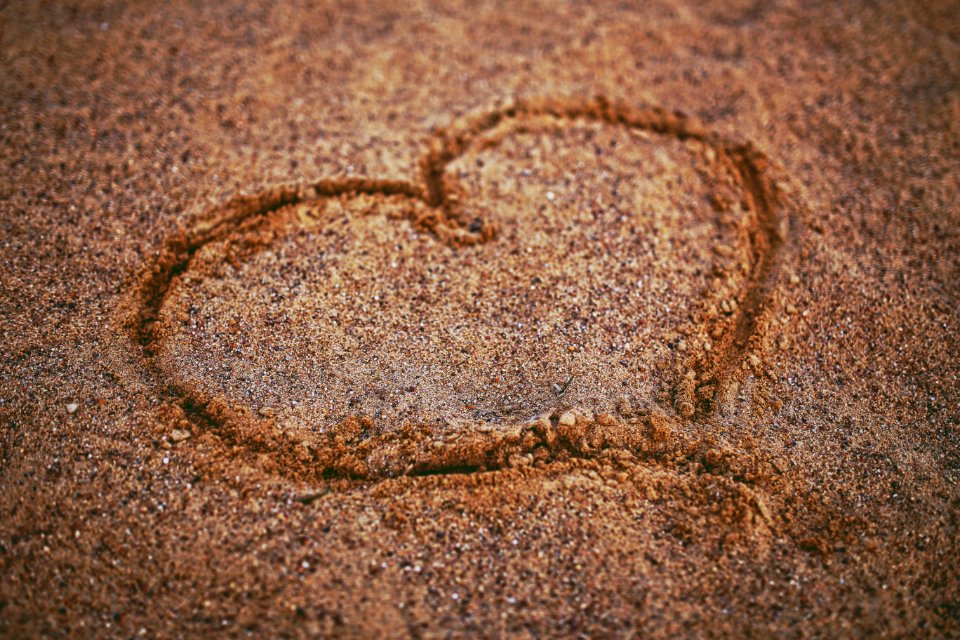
(522, 320)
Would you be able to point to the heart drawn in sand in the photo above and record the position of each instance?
(516, 305)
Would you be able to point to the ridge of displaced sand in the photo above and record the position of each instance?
(354, 449)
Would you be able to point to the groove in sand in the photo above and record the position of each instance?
(364, 457)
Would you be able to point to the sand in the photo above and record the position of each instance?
(528, 320)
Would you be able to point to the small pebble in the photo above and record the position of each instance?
(179, 435)
(723, 250)
(519, 460)
(568, 419)
(72, 407)
(762, 508)
(513, 435)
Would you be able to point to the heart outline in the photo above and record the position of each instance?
(352, 448)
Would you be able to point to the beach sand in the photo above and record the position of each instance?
(522, 320)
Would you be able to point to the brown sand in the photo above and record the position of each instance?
(534, 320)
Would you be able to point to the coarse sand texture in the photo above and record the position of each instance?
(454, 320)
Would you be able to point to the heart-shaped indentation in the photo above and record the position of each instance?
(537, 286)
